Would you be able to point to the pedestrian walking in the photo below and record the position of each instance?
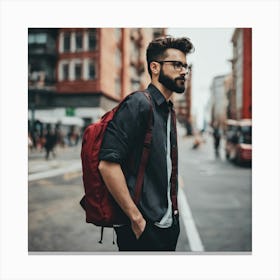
(217, 138)
(51, 140)
(154, 222)
(30, 142)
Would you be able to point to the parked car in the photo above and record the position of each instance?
(239, 141)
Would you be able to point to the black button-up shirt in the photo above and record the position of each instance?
(123, 144)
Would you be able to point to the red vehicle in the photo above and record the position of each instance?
(239, 141)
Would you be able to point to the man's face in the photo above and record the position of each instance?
(171, 76)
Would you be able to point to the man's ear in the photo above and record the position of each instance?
(155, 67)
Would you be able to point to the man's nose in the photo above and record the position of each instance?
(183, 71)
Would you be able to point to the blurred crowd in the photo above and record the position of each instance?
(48, 137)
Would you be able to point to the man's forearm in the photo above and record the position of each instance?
(114, 179)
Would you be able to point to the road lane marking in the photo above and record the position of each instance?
(188, 222)
(54, 172)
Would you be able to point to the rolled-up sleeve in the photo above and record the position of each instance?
(128, 124)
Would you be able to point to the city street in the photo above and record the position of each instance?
(219, 196)
(214, 200)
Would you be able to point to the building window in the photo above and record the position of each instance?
(118, 34)
(134, 52)
(39, 38)
(133, 72)
(91, 70)
(66, 42)
(134, 79)
(65, 72)
(31, 38)
(118, 58)
(92, 40)
(158, 32)
(118, 86)
(135, 84)
(78, 71)
(79, 41)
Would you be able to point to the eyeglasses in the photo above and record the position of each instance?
(178, 65)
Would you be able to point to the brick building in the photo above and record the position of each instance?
(42, 58)
(90, 70)
(241, 99)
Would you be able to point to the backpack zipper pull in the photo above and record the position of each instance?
(101, 235)
(114, 237)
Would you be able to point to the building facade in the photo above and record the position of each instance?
(219, 101)
(242, 74)
(79, 73)
(230, 97)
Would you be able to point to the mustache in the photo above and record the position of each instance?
(180, 79)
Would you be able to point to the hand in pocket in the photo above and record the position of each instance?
(138, 228)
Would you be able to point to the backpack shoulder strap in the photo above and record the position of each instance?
(145, 153)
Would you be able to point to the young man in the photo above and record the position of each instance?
(154, 222)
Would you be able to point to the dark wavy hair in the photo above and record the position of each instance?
(156, 49)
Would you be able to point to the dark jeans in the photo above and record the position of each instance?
(152, 239)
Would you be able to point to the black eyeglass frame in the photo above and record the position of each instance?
(177, 67)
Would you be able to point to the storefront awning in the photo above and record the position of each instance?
(62, 120)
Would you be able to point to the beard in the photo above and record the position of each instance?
(176, 85)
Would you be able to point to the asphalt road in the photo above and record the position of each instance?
(219, 194)
(215, 205)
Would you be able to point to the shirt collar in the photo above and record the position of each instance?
(158, 96)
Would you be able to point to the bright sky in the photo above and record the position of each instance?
(213, 49)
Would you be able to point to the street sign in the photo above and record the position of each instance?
(70, 111)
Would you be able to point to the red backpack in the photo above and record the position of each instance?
(100, 207)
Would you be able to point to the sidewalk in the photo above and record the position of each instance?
(67, 158)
